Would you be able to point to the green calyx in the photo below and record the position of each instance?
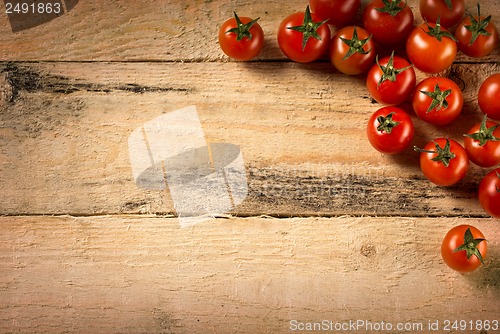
(448, 4)
(386, 123)
(389, 72)
(391, 7)
(437, 33)
(478, 26)
(470, 246)
(242, 30)
(438, 98)
(309, 28)
(444, 154)
(484, 134)
(355, 44)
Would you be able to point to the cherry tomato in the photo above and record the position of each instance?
(482, 143)
(489, 97)
(477, 36)
(464, 248)
(443, 161)
(303, 37)
(338, 12)
(390, 130)
(431, 48)
(390, 21)
(241, 38)
(450, 12)
(352, 51)
(391, 80)
(489, 193)
(437, 100)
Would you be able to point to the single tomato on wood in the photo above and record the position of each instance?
(303, 37)
(339, 13)
(389, 21)
(352, 51)
(464, 248)
(489, 97)
(431, 48)
(476, 35)
(443, 161)
(437, 100)
(449, 12)
(241, 38)
(390, 130)
(391, 80)
(482, 143)
(489, 193)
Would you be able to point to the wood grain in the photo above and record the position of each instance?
(330, 230)
(156, 30)
(65, 126)
(129, 274)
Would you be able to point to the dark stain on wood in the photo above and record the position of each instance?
(20, 79)
(276, 190)
(135, 88)
(31, 116)
(165, 323)
(281, 192)
(24, 78)
(368, 250)
(133, 205)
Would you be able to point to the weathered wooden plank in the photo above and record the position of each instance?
(132, 274)
(64, 129)
(156, 30)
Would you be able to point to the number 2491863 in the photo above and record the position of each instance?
(471, 325)
(33, 8)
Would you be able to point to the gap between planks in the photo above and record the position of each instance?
(161, 215)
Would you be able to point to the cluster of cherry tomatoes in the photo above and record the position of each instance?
(430, 47)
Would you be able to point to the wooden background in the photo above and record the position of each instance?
(330, 230)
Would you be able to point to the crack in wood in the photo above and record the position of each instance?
(23, 78)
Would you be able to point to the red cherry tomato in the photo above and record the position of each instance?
(391, 80)
(390, 130)
(338, 12)
(476, 35)
(443, 161)
(489, 193)
(241, 38)
(489, 97)
(390, 21)
(464, 248)
(482, 144)
(352, 51)
(431, 48)
(450, 12)
(437, 100)
(303, 37)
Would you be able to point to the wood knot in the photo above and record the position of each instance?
(368, 250)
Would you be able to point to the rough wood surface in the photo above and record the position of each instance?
(255, 275)
(157, 30)
(83, 249)
(301, 130)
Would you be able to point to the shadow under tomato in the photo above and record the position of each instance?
(271, 51)
(487, 276)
